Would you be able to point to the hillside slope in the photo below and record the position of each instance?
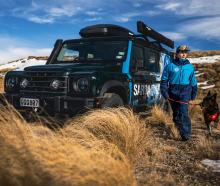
(20, 64)
(113, 147)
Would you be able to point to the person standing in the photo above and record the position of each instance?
(179, 87)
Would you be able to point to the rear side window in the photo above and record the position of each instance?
(137, 59)
(152, 59)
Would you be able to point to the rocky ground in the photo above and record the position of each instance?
(208, 74)
(180, 163)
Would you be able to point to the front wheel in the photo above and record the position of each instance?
(112, 100)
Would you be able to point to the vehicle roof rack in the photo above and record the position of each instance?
(101, 30)
(149, 32)
(146, 32)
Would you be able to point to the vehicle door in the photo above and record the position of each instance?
(141, 77)
(154, 71)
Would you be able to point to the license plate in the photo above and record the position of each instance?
(28, 102)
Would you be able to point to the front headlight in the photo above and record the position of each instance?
(81, 85)
(10, 82)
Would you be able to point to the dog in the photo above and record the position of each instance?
(210, 110)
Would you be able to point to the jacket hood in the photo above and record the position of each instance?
(179, 62)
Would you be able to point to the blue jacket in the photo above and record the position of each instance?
(178, 81)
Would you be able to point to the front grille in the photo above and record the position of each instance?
(39, 82)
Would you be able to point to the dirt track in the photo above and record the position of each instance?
(181, 161)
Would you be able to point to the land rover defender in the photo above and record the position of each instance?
(108, 66)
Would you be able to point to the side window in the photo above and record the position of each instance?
(151, 59)
(137, 59)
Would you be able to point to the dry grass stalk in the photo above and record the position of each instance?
(195, 111)
(119, 126)
(1, 84)
(158, 116)
(34, 155)
(207, 148)
(204, 53)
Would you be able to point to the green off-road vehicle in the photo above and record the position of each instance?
(108, 66)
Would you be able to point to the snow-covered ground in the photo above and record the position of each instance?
(199, 74)
(207, 87)
(203, 83)
(215, 164)
(207, 59)
(21, 64)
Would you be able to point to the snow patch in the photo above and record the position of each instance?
(199, 74)
(202, 83)
(215, 164)
(21, 64)
(31, 62)
(207, 59)
(207, 87)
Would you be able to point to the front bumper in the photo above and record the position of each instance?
(55, 104)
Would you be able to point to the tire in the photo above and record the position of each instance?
(112, 100)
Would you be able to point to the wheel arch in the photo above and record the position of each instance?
(116, 87)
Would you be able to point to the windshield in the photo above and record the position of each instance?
(93, 51)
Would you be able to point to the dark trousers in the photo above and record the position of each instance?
(181, 119)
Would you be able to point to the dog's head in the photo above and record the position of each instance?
(209, 103)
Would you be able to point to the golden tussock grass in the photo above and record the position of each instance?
(204, 53)
(195, 111)
(1, 85)
(101, 147)
(207, 147)
(5, 70)
(119, 126)
(158, 116)
(35, 155)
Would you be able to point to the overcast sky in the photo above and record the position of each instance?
(30, 27)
